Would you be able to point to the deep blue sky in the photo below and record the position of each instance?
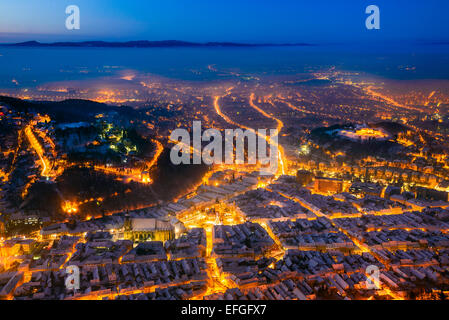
(317, 21)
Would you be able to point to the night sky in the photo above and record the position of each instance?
(254, 21)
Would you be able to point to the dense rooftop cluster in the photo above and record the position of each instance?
(264, 204)
(111, 279)
(248, 239)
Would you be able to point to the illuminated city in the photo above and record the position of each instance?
(86, 178)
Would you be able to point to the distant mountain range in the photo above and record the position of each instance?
(149, 44)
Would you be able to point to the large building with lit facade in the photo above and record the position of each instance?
(328, 185)
(304, 177)
(148, 229)
(431, 194)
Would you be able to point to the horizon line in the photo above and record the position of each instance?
(32, 42)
